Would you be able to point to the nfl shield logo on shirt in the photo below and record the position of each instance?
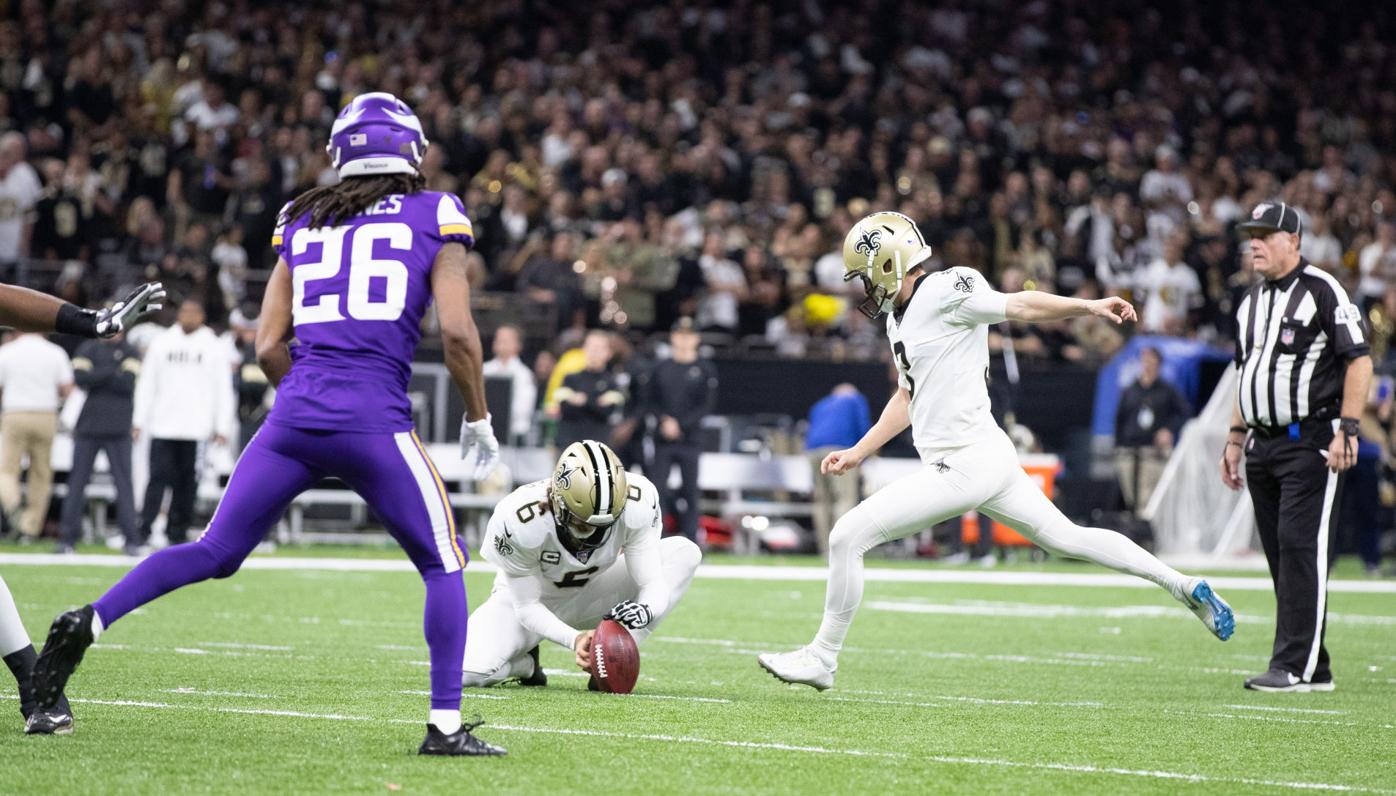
(1287, 336)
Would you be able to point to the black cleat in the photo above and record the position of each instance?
(592, 685)
(538, 678)
(56, 721)
(458, 743)
(68, 639)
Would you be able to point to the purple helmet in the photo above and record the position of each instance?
(376, 134)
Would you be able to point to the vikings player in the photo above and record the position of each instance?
(360, 262)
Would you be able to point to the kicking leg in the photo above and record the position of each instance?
(266, 478)
(1023, 507)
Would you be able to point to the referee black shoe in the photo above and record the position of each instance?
(1281, 682)
(538, 678)
(458, 744)
(68, 639)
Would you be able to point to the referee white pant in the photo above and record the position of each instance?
(497, 645)
(985, 476)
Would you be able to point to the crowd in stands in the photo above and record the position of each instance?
(628, 166)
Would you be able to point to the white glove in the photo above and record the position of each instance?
(479, 437)
(138, 303)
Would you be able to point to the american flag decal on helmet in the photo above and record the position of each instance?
(357, 139)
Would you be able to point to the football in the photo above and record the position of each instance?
(615, 659)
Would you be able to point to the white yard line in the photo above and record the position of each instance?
(239, 646)
(1070, 768)
(468, 694)
(1287, 710)
(200, 692)
(749, 572)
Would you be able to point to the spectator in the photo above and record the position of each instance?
(20, 191)
(591, 401)
(1171, 289)
(682, 391)
(1377, 265)
(836, 421)
(35, 377)
(1147, 422)
(106, 371)
(254, 391)
(506, 364)
(184, 398)
(552, 279)
(726, 287)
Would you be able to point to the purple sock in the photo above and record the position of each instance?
(444, 624)
(159, 574)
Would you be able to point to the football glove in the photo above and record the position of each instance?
(138, 303)
(479, 437)
(631, 614)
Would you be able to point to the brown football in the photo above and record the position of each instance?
(615, 659)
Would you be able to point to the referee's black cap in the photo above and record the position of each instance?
(1273, 217)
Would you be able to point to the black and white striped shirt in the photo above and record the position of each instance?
(1294, 339)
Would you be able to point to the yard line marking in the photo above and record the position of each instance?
(465, 695)
(676, 697)
(1046, 611)
(956, 698)
(1286, 720)
(1072, 768)
(1287, 710)
(746, 572)
(400, 648)
(200, 692)
(234, 645)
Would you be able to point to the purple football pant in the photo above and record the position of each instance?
(392, 472)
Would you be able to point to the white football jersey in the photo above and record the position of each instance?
(522, 537)
(940, 344)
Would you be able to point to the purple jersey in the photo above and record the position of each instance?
(359, 292)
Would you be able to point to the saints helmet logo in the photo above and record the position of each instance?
(563, 479)
(869, 243)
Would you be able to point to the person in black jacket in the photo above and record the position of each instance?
(681, 391)
(591, 400)
(107, 370)
(1147, 422)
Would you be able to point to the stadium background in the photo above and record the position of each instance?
(627, 166)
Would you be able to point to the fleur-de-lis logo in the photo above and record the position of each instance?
(564, 476)
(869, 243)
(964, 283)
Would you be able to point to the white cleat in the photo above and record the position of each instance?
(799, 666)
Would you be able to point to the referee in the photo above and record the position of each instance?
(1305, 370)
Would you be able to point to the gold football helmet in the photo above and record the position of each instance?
(880, 250)
(588, 490)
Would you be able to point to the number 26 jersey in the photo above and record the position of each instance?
(359, 291)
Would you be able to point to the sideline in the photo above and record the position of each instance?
(930, 574)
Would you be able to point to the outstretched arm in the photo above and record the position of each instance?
(32, 311)
(1034, 306)
(896, 416)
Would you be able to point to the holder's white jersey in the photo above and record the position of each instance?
(940, 343)
(521, 537)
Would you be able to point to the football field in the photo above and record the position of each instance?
(1037, 678)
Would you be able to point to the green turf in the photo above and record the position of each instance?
(923, 695)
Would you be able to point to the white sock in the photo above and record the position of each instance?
(844, 592)
(447, 721)
(13, 636)
(97, 626)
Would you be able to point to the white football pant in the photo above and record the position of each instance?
(984, 476)
(13, 636)
(497, 646)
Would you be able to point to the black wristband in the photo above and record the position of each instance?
(72, 319)
(1349, 426)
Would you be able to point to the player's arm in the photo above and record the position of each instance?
(896, 416)
(460, 342)
(1034, 306)
(643, 563)
(32, 311)
(527, 592)
(274, 325)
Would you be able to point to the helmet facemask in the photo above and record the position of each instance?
(881, 250)
(587, 494)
